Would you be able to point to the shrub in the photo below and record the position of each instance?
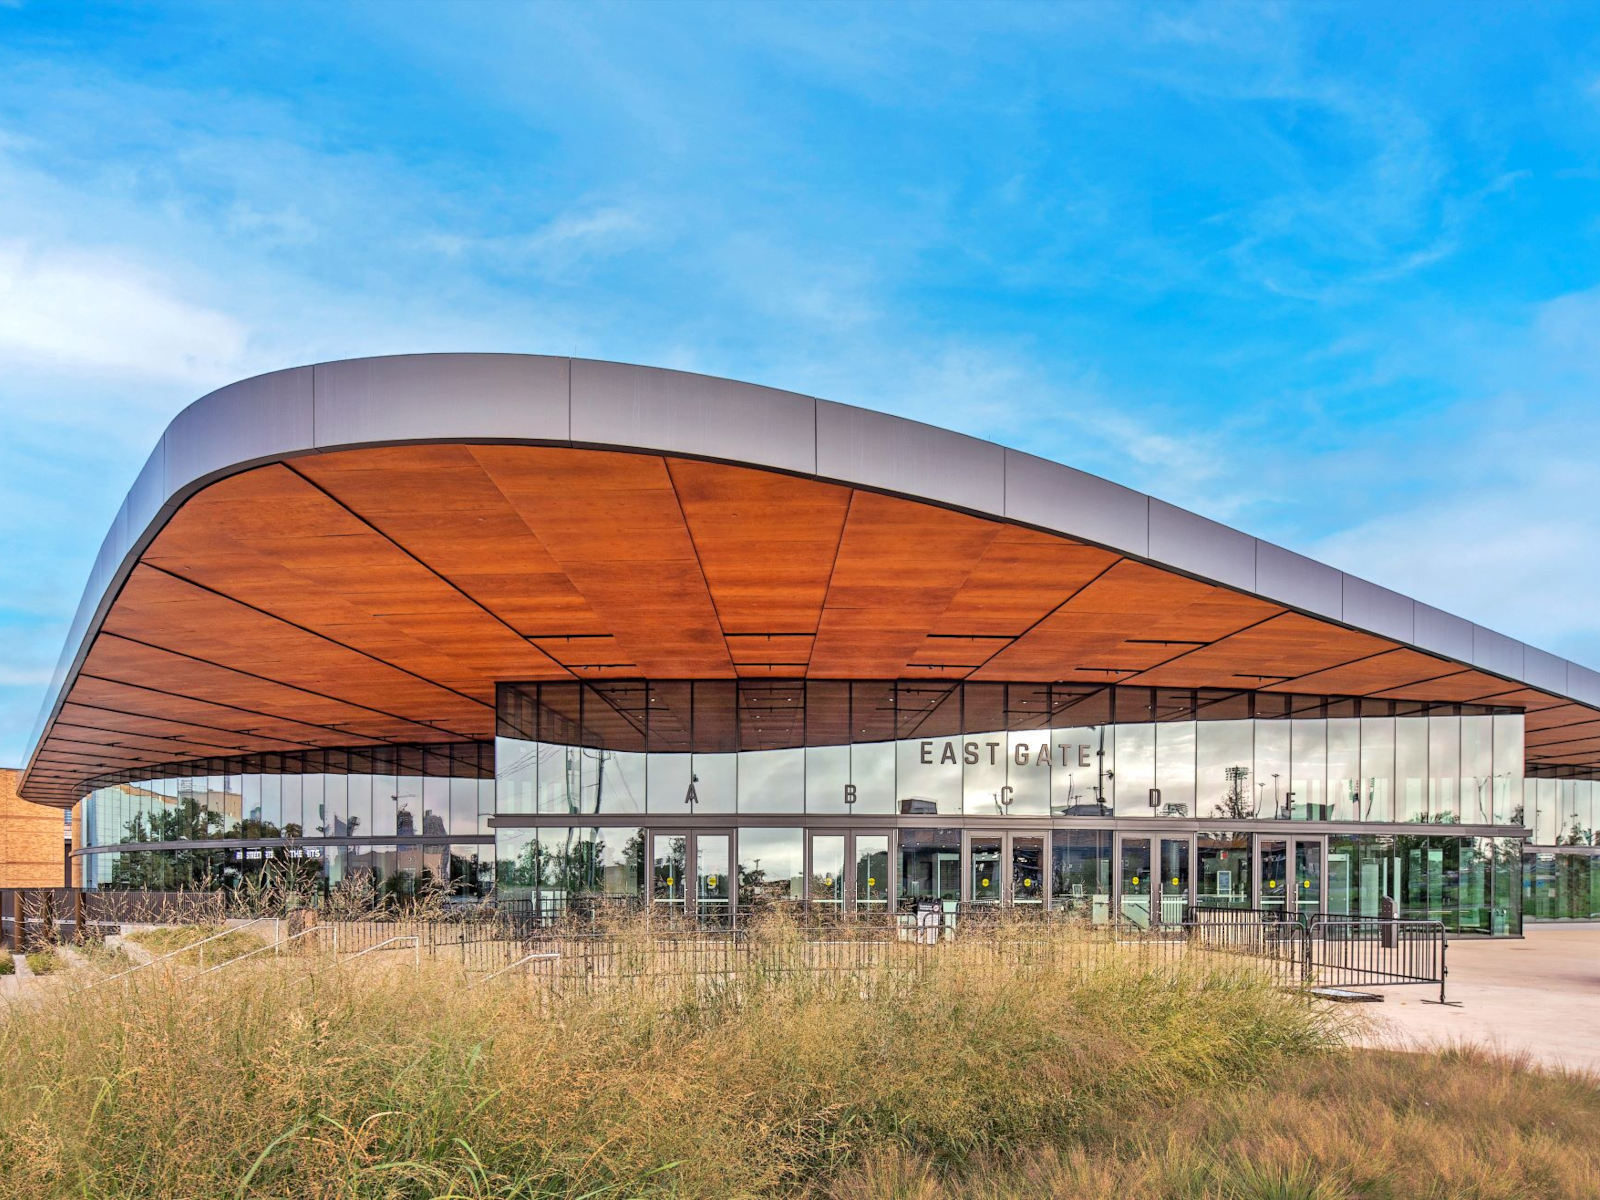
(169, 938)
(108, 959)
(8, 965)
(45, 962)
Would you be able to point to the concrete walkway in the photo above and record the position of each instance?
(1539, 995)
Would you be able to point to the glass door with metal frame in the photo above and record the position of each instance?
(826, 886)
(713, 876)
(870, 866)
(1133, 879)
(1172, 880)
(1308, 857)
(1272, 864)
(669, 866)
(691, 874)
(1005, 868)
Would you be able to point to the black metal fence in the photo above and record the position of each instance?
(600, 939)
(31, 918)
(1377, 951)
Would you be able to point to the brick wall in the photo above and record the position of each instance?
(30, 839)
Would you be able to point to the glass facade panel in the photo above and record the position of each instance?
(1444, 769)
(1476, 786)
(667, 785)
(1272, 768)
(772, 781)
(716, 784)
(1030, 761)
(1175, 769)
(872, 767)
(1508, 767)
(1135, 770)
(1411, 769)
(984, 776)
(1308, 759)
(930, 865)
(928, 774)
(771, 865)
(828, 781)
(1377, 769)
(1222, 870)
(1224, 758)
(1080, 874)
(1078, 783)
(1344, 769)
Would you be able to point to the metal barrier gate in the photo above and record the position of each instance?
(1375, 951)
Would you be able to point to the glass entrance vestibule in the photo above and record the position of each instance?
(1145, 876)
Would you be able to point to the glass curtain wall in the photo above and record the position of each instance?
(317, 821)
(998, 750)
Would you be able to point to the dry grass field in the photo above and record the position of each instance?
(1119, 1078)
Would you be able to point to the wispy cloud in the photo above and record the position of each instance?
(78, 310)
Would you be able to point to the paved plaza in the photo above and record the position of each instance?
(1539, 995)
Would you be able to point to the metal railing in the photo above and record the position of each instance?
(1378, 951)
(416, 947)
(535, 956)
(144, 966)
(275, 947)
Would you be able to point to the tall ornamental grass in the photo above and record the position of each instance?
(269, 1079)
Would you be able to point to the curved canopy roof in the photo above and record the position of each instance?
(356, 552)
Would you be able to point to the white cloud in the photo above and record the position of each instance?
(34, 677)
(85, 311)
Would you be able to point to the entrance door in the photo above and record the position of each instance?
(1133, 879)
(669, 866)
(714, 895)
(1172, 881)
(691, 875)
(827, 878)
(1027, 869)
(1308, 877)
(985, 872)
(870, 862)
(1005, 868)
(1272, 861)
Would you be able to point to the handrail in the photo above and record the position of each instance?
(293, 937)
(181, 950)
(414, 939)
(536, 956)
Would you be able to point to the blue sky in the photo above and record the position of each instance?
(1328, 273)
